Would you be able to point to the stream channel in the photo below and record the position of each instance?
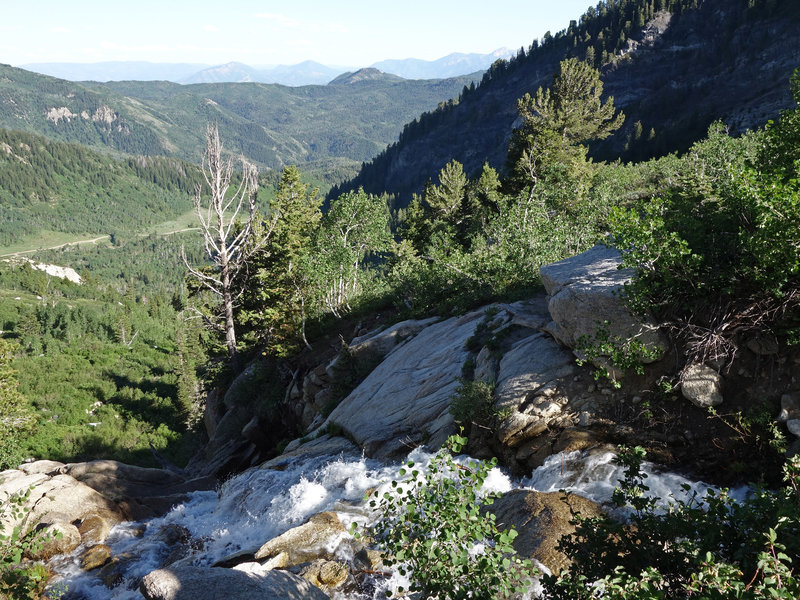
(261, 503)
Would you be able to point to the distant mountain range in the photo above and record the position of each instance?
(117, 70)
(452, 65)
(304, 73)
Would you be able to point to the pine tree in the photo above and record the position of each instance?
(556, 125)
(276, 286)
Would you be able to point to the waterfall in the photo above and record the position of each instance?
(261, 503)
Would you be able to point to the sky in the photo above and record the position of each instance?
(260, 33)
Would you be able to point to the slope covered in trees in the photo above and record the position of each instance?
(329, 129)
(673, 66)
(47, 185)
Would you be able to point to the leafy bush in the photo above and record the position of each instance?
(717, 253)
(433, 528)
(711, 547)
(473, 402)
(20, 579)
(621, 353)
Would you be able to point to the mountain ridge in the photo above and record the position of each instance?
(327, 129)
(646, 74)
(307, 72)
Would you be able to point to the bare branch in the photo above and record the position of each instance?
(226, 246)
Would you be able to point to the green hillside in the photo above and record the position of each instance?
(328, 129)
(54, 186)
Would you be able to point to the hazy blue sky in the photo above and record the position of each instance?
(342, 33)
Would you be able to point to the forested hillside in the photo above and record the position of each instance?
(55, 186)
(106, 371)
(673, 66)
(327, 129)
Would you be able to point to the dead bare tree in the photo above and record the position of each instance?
(227, 234)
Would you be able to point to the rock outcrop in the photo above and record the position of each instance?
(405, 401)
(585, 293)
(139, 491)
(531, 391)
(83, 501)
(57, 500)
(320, 534)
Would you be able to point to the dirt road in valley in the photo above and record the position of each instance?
(89, 241)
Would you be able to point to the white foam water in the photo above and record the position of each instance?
(260, 504)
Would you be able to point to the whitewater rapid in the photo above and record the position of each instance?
(261, 503)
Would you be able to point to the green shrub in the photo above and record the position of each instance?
(716, 253)
(623, 354)
(433, 525)
(710, 547)
(473, 402)
(20, 579)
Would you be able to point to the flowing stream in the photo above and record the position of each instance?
(262, 503)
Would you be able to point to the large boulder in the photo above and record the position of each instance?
(142, 492)
(212, 583)
(60, 537)
(541, 519)
(584, 293)
(65, 498)
(326, 574)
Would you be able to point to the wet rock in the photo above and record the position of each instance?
(317, 537)
(113, 572)
(323, 446)
(572, 439)
(94, 529)
(62, 538)
(541, 519)
(326, 574)
(701, 386)
(200, 583)
(368, 559)
(94, 557)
